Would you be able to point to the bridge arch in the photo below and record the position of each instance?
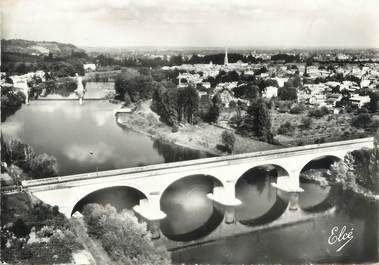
(313, 180)
(120, 196)
(280, 170)
(165, 186)
(260, 201)
(321, 161)
(190, 213)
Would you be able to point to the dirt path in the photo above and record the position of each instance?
(100, 257)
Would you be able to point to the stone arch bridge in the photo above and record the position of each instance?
(153, 180)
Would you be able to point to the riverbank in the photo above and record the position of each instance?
(203, 136)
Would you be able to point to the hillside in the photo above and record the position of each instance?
(26, 47)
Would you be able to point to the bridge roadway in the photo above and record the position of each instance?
(153, 180)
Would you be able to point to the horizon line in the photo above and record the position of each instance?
(300, 47)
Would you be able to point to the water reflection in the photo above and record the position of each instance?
(70, 132)
(190, 214)
(304, 242)
(315, 198)
(177, 153)
(260, 201)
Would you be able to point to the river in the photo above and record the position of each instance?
(85, 138)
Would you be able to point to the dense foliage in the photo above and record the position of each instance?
(257, 121)
(318, 112)
(22, 56)
(40, 235)
(228, 139)
(175, 105)
(10, 102)
(288, 91)
(122, 237)
(15, 152)
(359, 168)
(286, 128)
(16, 64)
(134, 88)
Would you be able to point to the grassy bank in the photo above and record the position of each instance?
(202, 136)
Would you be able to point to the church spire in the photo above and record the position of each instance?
(226, 57)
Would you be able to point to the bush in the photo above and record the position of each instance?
(319, 112)
(20, 229)
(175, 128)
(43, 166)
(306, 122)
(297, 109)
(284, 106)
(10, 102)
(53, 241)
(228, 139)
(122, 237)
(363, 121)
(36, 165)
(286, 129)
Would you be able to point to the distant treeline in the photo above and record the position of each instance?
(19, 64)
(144, 61)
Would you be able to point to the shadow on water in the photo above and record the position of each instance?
(323, 162)
(190, 213)
(210, 225)
(260, 201)
(174, 153)
(318, 199)
(300, 243)
(120, 197)
(274, 213)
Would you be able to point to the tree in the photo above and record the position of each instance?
(343, 172)
(188, 104)
(20, 153)
(10, 102)
(306, 122)
(286, 128)
(288, 91)
(247, 91)
(373, 167)
(165, 102)
(43, 166)
(373, 104)
(257, 120)
(363, 120)
(228, 139)
(318, 112)
(125, 239)
(127, 99)
(215, 109)
(20, 229)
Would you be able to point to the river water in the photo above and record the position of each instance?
(87, 138)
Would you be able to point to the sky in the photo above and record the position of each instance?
(220, 23)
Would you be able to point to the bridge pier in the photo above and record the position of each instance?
(294, 201)
(150, 211)
(291, 186)
(226, 197)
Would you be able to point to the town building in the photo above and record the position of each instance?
(88, 67)
(358, 100)
(270, 92)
